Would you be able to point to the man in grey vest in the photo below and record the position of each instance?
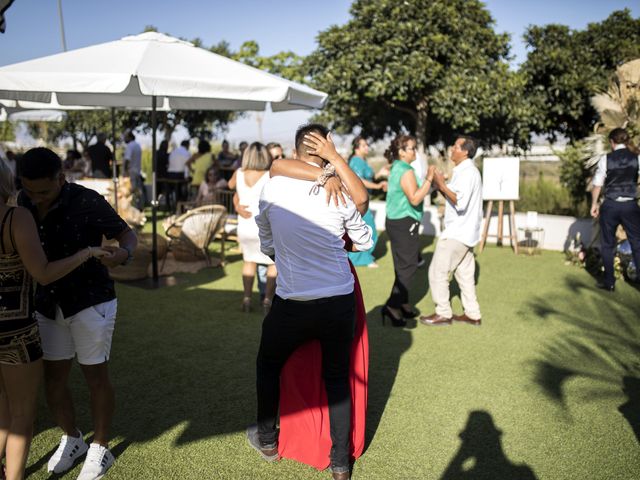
(618, 173)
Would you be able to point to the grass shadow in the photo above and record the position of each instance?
(603, 345)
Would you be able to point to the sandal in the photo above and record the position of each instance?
(266, 306)
(246, 304)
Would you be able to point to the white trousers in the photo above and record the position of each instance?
(453, 256)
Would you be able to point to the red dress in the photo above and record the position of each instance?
(304, 413)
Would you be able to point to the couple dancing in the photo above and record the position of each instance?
(316, 328)
(454, 250)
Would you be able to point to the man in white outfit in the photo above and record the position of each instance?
(454, 251)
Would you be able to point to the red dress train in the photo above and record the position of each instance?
(304, 413)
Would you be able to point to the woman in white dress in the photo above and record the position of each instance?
(248, 181)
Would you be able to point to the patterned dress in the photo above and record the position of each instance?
(19, 336)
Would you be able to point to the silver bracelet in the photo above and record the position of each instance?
(328, 171)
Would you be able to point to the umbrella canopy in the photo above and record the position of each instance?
(31, 115)
(128, 72)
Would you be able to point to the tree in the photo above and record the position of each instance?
(432, 67)
(565, 68)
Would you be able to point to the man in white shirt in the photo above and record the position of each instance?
(314, 294)
(133, 166)
(618, 173)
(178, 160)
(454, 251)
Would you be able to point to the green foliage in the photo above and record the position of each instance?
(285, 64)
(545, 196)
(574, 177)
(431, 67)
(565, 68)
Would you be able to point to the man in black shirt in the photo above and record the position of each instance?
(76, 314)
(101, 157)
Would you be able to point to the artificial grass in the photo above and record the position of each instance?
(537, 389)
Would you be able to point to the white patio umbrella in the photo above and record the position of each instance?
(149, 71)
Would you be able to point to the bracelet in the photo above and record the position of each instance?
(328, 171)
(88, 248)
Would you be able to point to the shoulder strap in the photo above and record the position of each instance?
(13, 244)
(4, 220)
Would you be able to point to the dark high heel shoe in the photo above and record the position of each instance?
(395, 321)
(410, 313)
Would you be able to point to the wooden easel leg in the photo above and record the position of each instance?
(512, 226)
(500, 221)
(485, 230)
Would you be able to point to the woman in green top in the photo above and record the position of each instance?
(404, 214)
(199, 163)
(359, 165)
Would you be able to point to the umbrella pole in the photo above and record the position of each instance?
(154, 200)
(114, 163)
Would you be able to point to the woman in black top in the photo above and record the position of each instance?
(21, 258)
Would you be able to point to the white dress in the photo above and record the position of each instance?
(247, 228)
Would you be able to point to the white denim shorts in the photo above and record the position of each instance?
(86, 334)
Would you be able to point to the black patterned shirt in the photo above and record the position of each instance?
(78, 220)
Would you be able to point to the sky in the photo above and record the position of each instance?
(33, 30)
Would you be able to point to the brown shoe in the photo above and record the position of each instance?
(268, 452)
(469, 320)
(434, 319)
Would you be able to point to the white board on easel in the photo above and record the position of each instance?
(501, 178)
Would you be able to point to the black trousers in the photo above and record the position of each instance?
(405, 247)
(612, 214)
(290, 324)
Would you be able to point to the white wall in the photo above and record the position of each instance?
(558, 230)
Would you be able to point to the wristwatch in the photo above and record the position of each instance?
(129, 256)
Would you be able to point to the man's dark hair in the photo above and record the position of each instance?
(40, 163)
(619, 136)
(185, 144)
(469, 145)
(204, 146)
(308, 128)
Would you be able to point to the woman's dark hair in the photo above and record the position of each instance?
(213, 169)
(40, 163)
(397, 144)
(355, 144)
(204, 146)
(164, 146)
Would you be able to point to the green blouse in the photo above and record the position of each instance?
(398, 205)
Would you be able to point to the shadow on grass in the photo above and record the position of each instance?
(183, 364)
(603, 344)
(480, 456)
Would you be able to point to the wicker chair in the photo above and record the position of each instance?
(191, 233)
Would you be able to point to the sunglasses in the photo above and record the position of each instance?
(278, 157)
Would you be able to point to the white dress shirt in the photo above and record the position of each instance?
(178, 159)
(462, 220)
(305, 235)
(601, 173)
(133, 155)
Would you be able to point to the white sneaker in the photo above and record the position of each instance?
(98, 461)
(69, 450)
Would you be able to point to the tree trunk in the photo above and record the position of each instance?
(422, 110)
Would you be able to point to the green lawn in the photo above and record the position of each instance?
(551, 368)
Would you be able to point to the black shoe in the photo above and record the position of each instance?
(395, 321)
(603, 286)
(410, 313)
